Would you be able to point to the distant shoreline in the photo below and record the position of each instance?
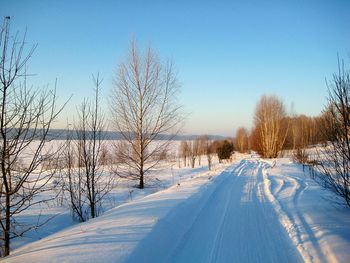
(62, 134)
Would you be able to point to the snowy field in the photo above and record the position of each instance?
(57, 212)
(252, 210)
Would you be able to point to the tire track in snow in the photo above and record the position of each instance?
(298, 226)
(172, 233)
(302, 225)
(228, 221)
(238, 170)
(260, 224)
(219, 236)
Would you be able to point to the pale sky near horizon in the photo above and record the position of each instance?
(227, 53)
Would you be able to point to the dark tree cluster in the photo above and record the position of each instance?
(225, 150)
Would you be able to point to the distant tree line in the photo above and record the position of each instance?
(274, 131)
(192, 151)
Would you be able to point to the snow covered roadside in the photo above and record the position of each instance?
(112, 237)
(319, 229)
(55, 215)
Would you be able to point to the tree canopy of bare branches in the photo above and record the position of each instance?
(302, 133)
(184, 151)
(85, 180)
(335, 158)
(270, 129)
(144, 106)
(242, 140)
(208, 150)
(193, 151)
(26, 116)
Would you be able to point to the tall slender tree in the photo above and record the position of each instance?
(242, 140)
(144, 108)
(86, 183)
(26, 116)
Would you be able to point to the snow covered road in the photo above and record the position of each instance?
(248, 212)
(232, 222)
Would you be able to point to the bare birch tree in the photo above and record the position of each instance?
(201, 142)
(144, 107)
(302, 136)
(242, 140)
(26, 116)
(193, 149)
(184, 151)
(208, 150)
(269, 116)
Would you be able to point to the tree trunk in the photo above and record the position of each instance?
(141, 184)
(7, 227)
(93, 209)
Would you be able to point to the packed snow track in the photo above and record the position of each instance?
(232, 222)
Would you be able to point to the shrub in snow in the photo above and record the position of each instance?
(225, 150)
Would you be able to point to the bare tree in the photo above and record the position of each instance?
(87, 183)
(72, 181)
(241, 140)
(208, 150)
(334, 160)
(269, 116)
(201, 142)
(193, 150)
(26, 116)
(184, 151)
(302, 130)
(144, 107)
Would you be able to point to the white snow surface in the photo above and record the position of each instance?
(253, 211)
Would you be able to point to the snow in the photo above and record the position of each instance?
(229, 222)
(318, 228)
(112, 236)
(57, 211)
(253, 210)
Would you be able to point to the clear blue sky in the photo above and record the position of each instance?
(227, 53)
